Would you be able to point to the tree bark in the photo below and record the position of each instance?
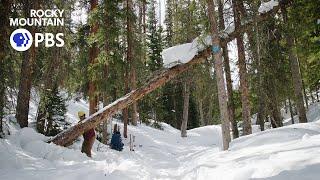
(125, 111)
(244, 86)
(291, 111)
(22, 109)
(295, 71)
(93, 53)
(130, 57)
(218, 65)
(4, 25)
(261, 93)
(201, 113)
(317, 93)
(226, 61)
(303, 84)
(186, 97)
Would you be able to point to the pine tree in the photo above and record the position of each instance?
(53, 107)
(154, 39)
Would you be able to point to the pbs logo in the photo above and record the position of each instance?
(21, 39)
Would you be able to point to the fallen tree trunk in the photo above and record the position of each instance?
(158, 79)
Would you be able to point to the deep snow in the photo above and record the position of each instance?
(291, 152)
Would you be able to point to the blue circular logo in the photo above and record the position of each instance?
(21, 39)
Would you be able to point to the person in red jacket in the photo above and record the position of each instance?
(88, 136)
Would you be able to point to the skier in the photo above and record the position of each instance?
(88, 136)
(116, 141)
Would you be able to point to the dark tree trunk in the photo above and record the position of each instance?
(274, 103)
(303, 84)
(175, 108)
(23, 99)
(201, 113)
(93, 53)
(4, 27)
(244, 86)
(261, 112)
(186, 98)
(261, 94)
(22, 109)
(130, 57)
(125, 111)
(291, 111)
(295, 71)
(231, 109)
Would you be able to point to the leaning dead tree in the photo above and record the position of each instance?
(158, 79)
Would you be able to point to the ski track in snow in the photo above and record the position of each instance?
(291, 152)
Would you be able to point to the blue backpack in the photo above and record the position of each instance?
(116, 142)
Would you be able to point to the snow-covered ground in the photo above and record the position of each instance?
(291, 152)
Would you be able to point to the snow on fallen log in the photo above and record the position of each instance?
(267, 6)
(183, 53)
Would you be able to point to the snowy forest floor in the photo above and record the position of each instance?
(290, 152)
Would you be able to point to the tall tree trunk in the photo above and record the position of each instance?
(130, 57)
(244, 86)
(295, 71)
(201, 113)
(186, 98)
(175, 107)
(291, 111)
(276, 115)
(93, 53)
(274, 103)
(231, 109)
(317, 93)
(261, 112)
(218, 64)
(4, 28)
(125, 111)
(22, 109)
(261, 94)
(303, 84)
(209, 114)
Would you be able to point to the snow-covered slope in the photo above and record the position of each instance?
(291, 152)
